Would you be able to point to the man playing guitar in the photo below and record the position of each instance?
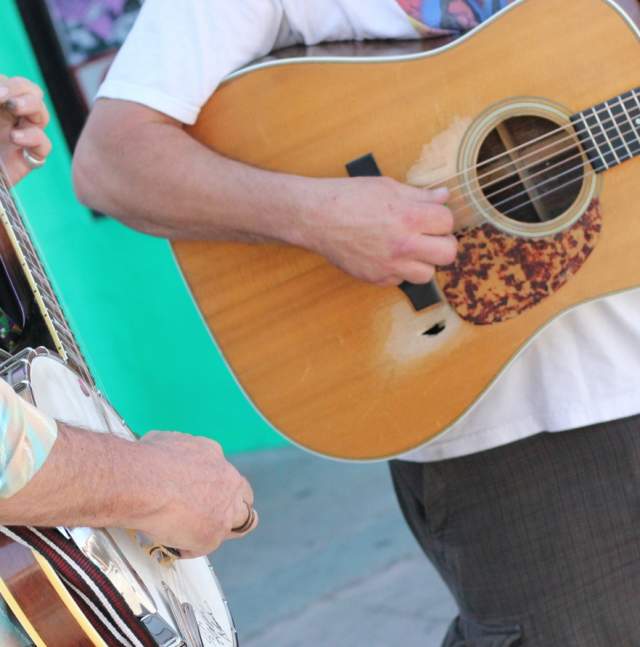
(504, 509)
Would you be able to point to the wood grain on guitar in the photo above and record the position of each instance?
(23, 581)
(346, 369)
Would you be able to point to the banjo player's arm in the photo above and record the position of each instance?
(57, 475)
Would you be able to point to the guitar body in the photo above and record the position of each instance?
(31, 595)
(343, 368)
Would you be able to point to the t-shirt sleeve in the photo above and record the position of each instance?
(178, 52)
(26, 438)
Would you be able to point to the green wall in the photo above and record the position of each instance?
(127, 302)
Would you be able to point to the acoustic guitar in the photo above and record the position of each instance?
(533, 123)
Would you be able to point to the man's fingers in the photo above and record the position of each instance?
(29, 106)
(16, 86)
(434, 250)
(416, 272)
(436, 220)
(439, 195)
(33, 138)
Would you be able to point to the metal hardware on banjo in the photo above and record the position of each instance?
(80, 586)
(179, 603)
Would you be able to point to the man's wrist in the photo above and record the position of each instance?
(111, 466)
(298, 220)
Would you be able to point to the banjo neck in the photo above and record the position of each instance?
(35, 274)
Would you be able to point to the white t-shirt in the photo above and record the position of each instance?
(582, 369)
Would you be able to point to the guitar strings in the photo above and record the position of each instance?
(545, 193)
(466, 184)
(540, 184)
(623, 147)
(568, 128)
(527, 202)
(507, 153)
(478, 190)
(539, 138)
(532, 175)
(465, 227)
(575, 143)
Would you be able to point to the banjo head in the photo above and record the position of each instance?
(141, 577)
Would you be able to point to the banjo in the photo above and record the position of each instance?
(83, 586)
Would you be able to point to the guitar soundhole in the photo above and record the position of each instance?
(530, 169)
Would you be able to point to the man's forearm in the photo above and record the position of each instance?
(158, 179)
(141, 167)
(178, 489)
(87, 480)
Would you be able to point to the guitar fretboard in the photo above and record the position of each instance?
(610, 131)
(35, 274)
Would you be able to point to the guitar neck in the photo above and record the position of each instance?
(35, 274)
(610, 131)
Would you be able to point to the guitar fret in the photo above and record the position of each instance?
(632, 135)
(610, 131)
(44, 287)
(26, 246)
(59, 329)
(54, 311)
(40, 278)
(619, 140)
(22, 238)
(34, 268)
(595, 113)
(589, 143)
(50, 303)
(10, 213)
(64, 338)
(28, 252)
(32, 262)
(37, 275)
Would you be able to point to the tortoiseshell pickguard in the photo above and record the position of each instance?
(497, 276)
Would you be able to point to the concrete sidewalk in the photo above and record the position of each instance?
(332, 562)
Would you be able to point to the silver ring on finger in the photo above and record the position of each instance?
(251, 517)
(33, 161)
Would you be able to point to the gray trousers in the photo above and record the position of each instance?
(539, 540)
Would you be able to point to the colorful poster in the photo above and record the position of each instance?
(90, 33)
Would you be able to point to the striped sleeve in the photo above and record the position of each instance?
(26, 438)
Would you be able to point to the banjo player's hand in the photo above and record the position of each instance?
(23, 118)
(380, 230)
(200, 496)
